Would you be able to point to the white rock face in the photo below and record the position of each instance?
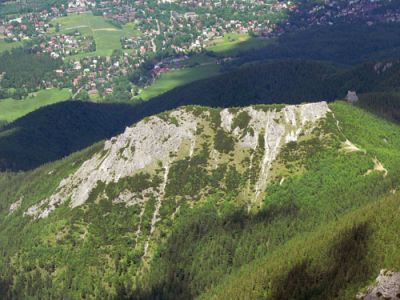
(278, 128)
(138, 147)
(387, 287)
(16, 205)
(153, 140)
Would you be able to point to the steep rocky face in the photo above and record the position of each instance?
(387, 287)
(246, 141)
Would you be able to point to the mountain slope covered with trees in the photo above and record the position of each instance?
(188, 210)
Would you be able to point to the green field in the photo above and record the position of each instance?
(233, 43)
(8, 46)
(11, 109)
(106, 35)
(173, 79)
(230, 44)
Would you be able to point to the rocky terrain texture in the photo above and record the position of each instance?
(387, 287)
(161, 140)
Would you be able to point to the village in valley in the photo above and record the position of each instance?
(116, 49)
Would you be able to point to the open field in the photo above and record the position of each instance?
(233, 43)
(106, 35)
(11, 109)
(173, 79)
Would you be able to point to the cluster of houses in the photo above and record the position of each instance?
(62, 45)
(79, 6)
(119, 13)
(96, 74)
(25, 27)
(175, 30)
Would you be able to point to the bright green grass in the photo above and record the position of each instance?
(106, 35)
(8, 46)
(11, 109)
(233, 43)
(199, 59)
(173, 79)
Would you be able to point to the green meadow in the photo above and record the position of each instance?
(4, 46)
(106, 35)
(11, 109)
(173, 79)
(233, 43)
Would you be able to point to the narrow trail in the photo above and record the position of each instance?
(139, 229)
(349, 147)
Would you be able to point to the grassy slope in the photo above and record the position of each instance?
(8, 46)
(173, 79)
(106, 35)
(234, 43)
(11, 109)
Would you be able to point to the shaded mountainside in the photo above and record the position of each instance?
(286, 81)
(184, 203)
(386, 105)
(55, 131)
(342, 43)
(52, 132)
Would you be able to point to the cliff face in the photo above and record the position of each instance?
(253, 136)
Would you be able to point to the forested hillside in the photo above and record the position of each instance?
(341, 43)
(194, 206)
(25, 71)
(386, 105)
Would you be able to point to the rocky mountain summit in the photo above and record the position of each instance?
(253, 136)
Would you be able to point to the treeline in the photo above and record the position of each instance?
(386, 105)
(25, 71)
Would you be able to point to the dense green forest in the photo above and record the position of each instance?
(341, 43)
(25, 71)
(386, 105)
(192, 225)
(286, 81)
